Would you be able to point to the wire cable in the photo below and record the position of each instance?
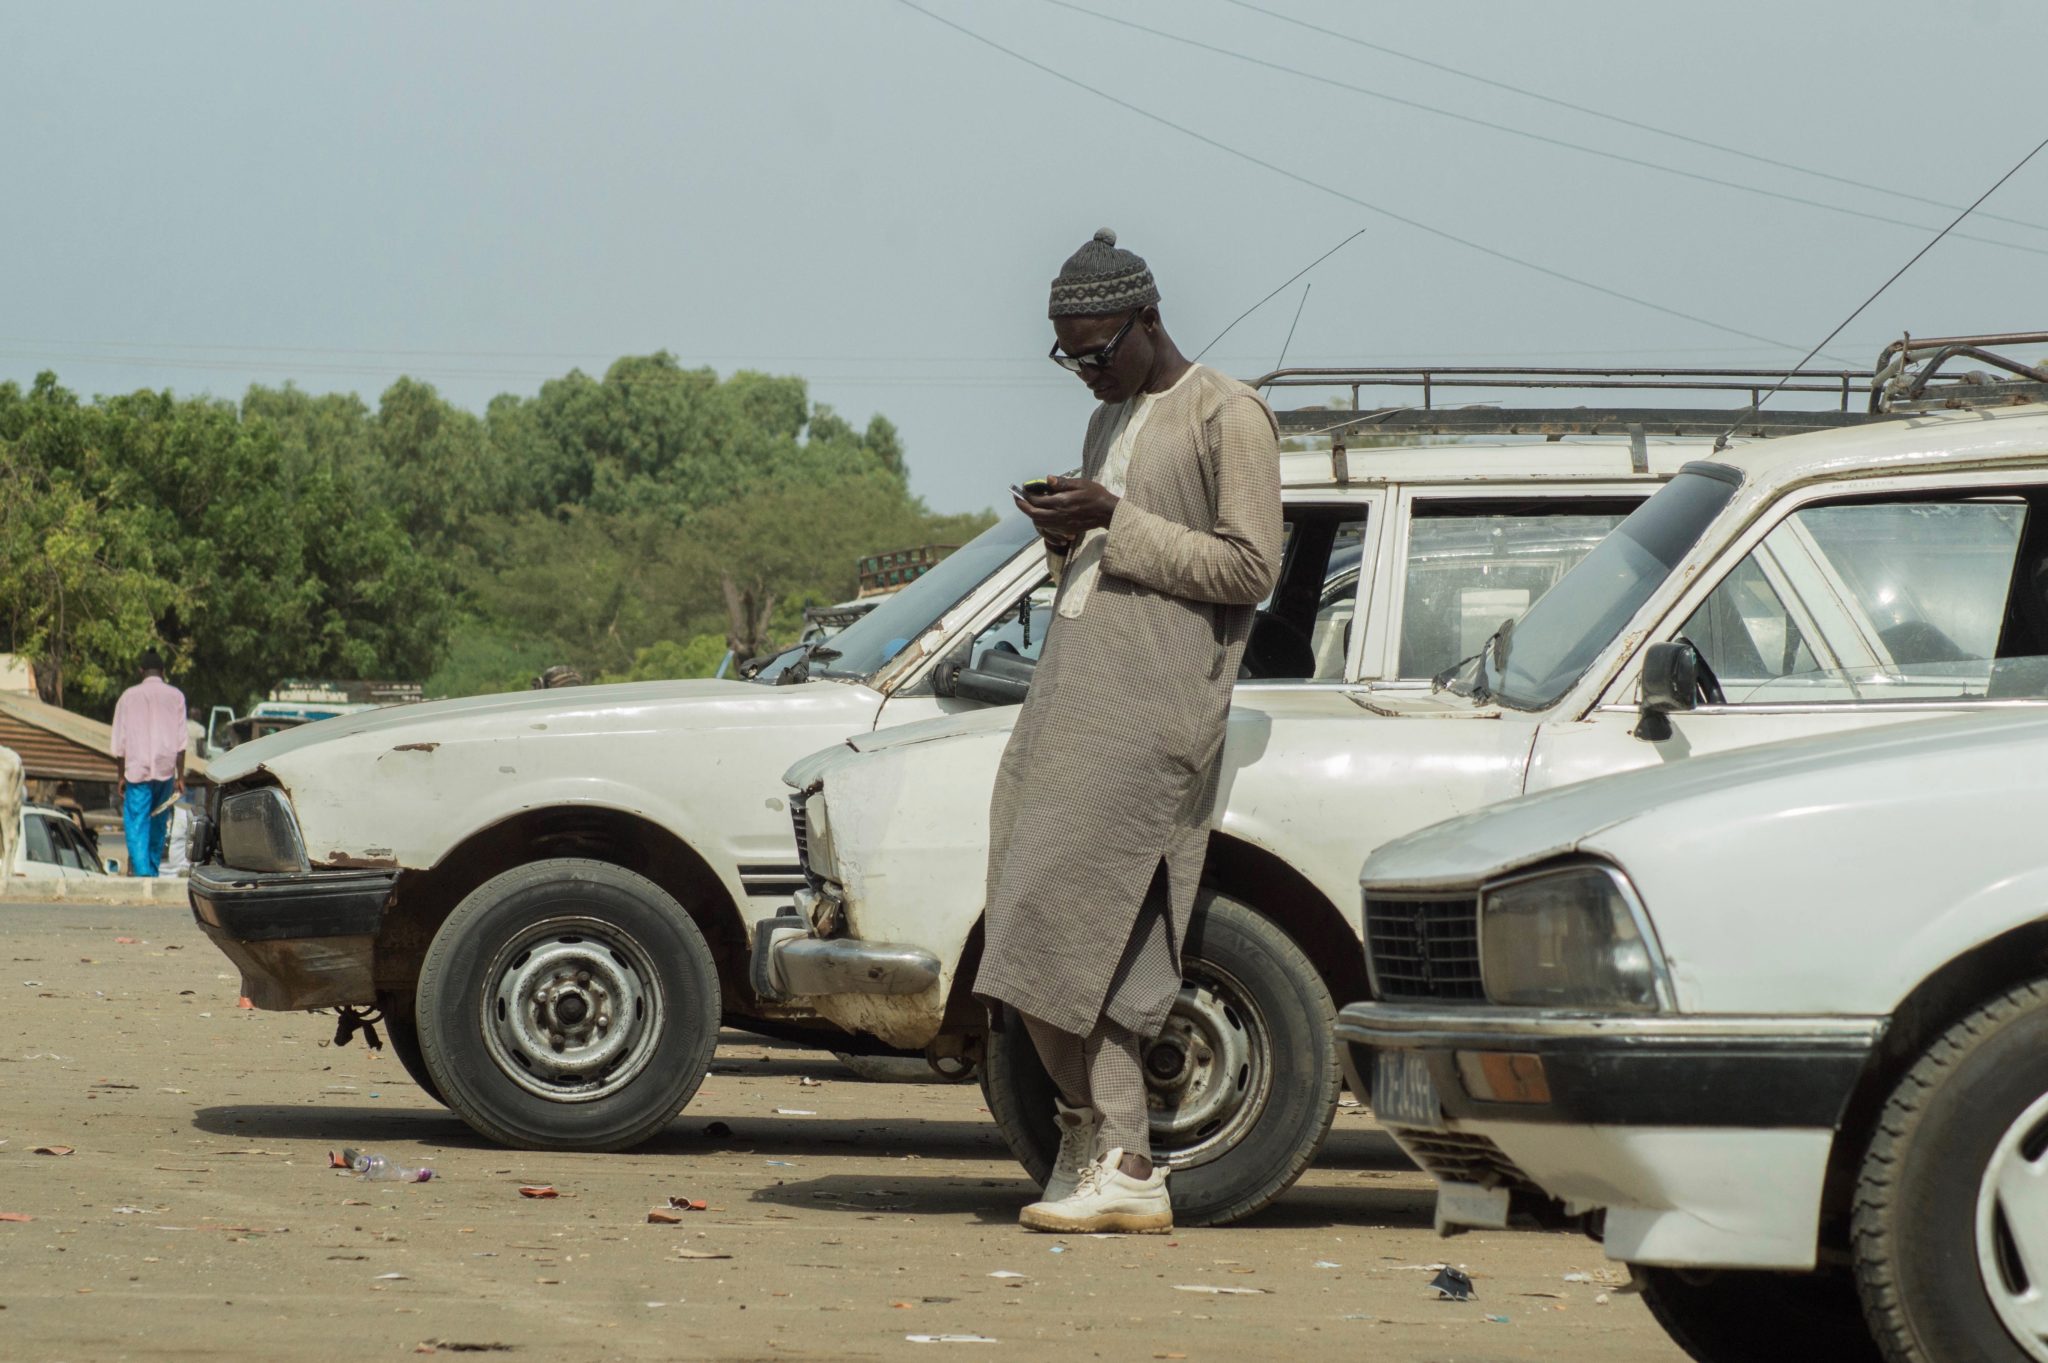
(1721, 441)
(1352, 199)
(1283, 284)
(1618, 119)
(1512, 131)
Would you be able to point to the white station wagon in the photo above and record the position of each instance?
(1829, 581)
(1773, 1025)
(549, 899)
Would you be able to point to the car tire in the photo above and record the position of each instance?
(1957, 1156)
(1253, 1063)
(568, 1005)
(1751, 1316)
(402, 1032)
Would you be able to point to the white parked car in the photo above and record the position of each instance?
(53, 847)
(551, 895)
(1773, 1025)
(1824, 582)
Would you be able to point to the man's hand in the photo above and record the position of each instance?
(1073, 507)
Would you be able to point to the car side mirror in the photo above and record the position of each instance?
(1001, 677)
(1671, 681)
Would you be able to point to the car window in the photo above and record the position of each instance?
(36, 843)
(70, 839)
(1909, 598)
(1302, 631)
(1552, 646)
(71, 851)
(875, 638)
(1471, 566)
(1747, 635)
(1020, 629)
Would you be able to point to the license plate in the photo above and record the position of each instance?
(1403, 1093)
(1467, 1206)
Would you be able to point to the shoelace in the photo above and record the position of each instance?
(1074, 1144)
(1091, 1179)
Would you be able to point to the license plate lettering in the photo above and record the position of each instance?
(1403, 1092)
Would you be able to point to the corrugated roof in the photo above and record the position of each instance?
(56, 744)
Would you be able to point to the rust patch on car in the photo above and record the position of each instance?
(416, 747)
(375, 859)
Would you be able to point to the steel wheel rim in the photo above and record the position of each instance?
(571, 1009)
(2012, 1230)
(1210, 1071)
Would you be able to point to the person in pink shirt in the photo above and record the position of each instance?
(149, 742)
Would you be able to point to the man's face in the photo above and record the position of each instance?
(1124, 375)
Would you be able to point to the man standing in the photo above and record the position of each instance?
(1099, 822)
(149, 742)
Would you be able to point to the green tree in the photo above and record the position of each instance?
(81, 587)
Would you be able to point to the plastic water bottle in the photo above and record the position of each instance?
(378, 1169)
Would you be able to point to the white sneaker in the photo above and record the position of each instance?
(1106, 1199)
(1078, 1128)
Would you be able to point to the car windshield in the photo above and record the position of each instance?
(1533, 664)
(857, 652)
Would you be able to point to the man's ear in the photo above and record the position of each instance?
(1150, 317)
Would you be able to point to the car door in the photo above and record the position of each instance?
(1313, 772)
(1844, 612)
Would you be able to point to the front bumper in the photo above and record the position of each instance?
(790, 962)
(1704, 1139)
(300, 940)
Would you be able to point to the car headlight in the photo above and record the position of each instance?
(1570, 938)
(259, 833)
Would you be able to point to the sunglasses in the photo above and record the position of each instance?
(1100, 358)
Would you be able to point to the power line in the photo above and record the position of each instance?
(1618, 119)
(1512, 131)
(1721, 441)
(1333, 192)
(1283, 284)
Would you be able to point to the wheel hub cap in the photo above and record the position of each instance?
(1208, 1074)
(2012, 1229)
(573, 1009)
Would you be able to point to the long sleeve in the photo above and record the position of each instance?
(1238, 561)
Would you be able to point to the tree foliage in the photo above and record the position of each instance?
(596, 523)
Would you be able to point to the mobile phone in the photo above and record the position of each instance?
(1038, 487)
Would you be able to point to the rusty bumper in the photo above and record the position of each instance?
(300, 940)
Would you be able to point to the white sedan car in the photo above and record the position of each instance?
(1772, 1025)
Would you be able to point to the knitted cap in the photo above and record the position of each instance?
(1099, 279)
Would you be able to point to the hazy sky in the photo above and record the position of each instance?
(200, 195)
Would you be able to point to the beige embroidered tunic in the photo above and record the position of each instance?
(1111, 771)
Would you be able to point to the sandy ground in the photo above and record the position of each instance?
(198, 1220)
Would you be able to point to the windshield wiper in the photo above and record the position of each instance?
(1476, 688)
(800, 670)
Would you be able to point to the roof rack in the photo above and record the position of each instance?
(1907, 379)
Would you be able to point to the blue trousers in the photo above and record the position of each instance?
(147, 834)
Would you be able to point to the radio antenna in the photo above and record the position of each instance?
(1284, 283)
(1282, 361)
(1721, 441)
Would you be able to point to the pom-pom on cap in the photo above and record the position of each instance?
(1099, 279)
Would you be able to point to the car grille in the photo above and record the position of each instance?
(1425, 949)
(800, 821)
(1460, 1158)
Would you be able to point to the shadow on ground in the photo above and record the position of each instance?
(996, 1201)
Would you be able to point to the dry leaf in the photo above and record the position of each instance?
(15, 1216)
(699, 1254)
(538, 1190)
(53, 1150)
